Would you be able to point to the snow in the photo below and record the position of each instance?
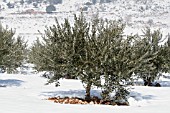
(28, 94)
(136, 14)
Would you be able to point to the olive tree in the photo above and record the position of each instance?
(12, 50)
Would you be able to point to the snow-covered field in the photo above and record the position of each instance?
(28, 94)
(137, 14)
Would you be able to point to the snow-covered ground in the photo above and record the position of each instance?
(137, 14)
(28, 94)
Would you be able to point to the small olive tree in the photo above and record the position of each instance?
(12, 50)
(157, 62)
(165, 53)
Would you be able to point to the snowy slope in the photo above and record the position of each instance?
(136, 14)
(28, 94)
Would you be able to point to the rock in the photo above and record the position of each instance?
(61, 101)
(91, 102)
(53, 98)
(80, 102)
(66, 101)
(85, 102)
(76, 101)
(71, 101)
(94, 100)
(56, 101)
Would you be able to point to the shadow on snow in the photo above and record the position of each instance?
(70, 93)
(138, 96)
(10, 82)
(81, 93)
(165, 83)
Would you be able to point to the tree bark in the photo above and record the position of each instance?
(147, 81)
(88, 89)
